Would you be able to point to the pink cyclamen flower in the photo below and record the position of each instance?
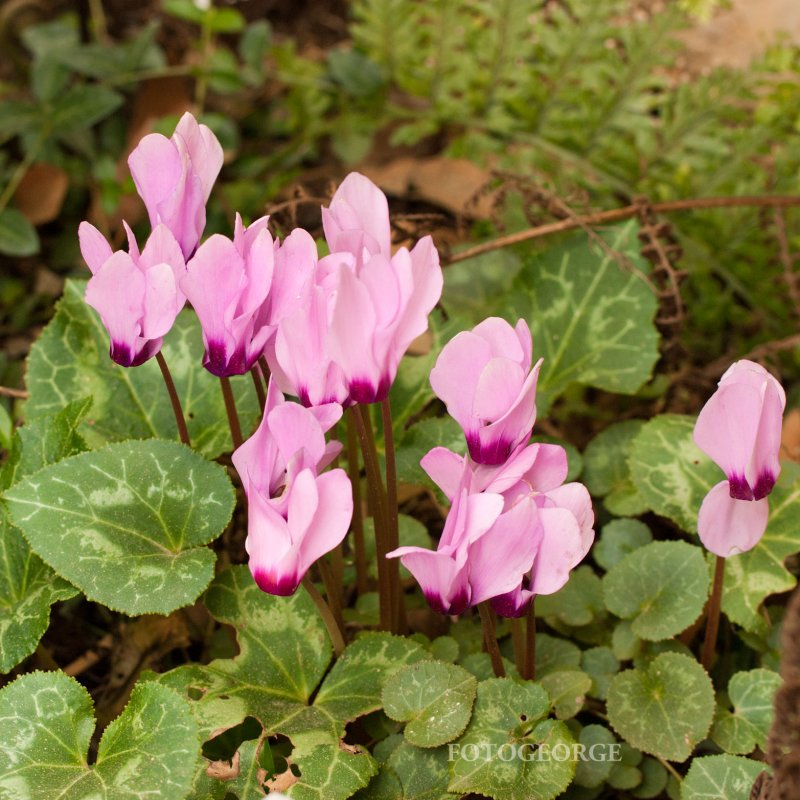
(485, 379)
(137, 295)
(382, 301)
(295, 514)
(740, 429)
(228, 283)
(483, 551)
(565, 514)
(357, 219)
(174, 178)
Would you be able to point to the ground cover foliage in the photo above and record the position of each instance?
(138, 655)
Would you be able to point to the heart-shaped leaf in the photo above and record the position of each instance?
(510, 750)
(661, 587)
(126, 524)
(670, 471)
(433, 699)
(721, 777)
(665, 709)
(752, 694)
(47, 721)
(284, 652)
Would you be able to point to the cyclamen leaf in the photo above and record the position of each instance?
(433, 699)
(509, 714)
(746, 727)
(591, 311)
(721, 777)
(671, 473)
(752, 576)
(28, 588)
(665, 709)
(662, 587)
(47, 721)
(70, 361)
(284, 652)
(606, 472)
(126, 524)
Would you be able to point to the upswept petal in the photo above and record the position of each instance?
(456, 374)
(499, 559)
(445, 468)
(204, 150)
(505, 341)
(442, 581)
(156, 167)
(358, 205)
(334, 511)
(726, 431)
(117, 292)
(560, 550)
(95, 249)
(159, 307)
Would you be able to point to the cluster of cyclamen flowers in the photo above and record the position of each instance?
(332, 331)
(515, 529)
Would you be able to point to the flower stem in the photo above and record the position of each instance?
(333, 590)
(230, 409)
(180, 420)
(265, 373)
(262, 397)
(490, 637)
(358, 519)
(378, 504)
(518, 640)
(327, 616)
(392, 523)
(714, 609)
(529, 671)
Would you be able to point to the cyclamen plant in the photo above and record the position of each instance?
(322, 339)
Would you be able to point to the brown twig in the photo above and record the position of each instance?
(20, 394)
(90, 657)
(787, 261)
(619, 214)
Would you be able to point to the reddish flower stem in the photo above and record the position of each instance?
(377, 501)
(529, 671)
(393, 529)
(262, 397)
(358, 519)
(327, 616)
(714, 610)
(230, 409)
(490, 638)
(180, 420)
(518, 640)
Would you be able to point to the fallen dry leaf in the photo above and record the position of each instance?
(790, 438)
(40, 195)
(453, 184)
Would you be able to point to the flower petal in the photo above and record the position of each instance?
(95, 249)
(728, 526)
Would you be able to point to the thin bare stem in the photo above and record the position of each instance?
(617, 214)
(230, 410)
(262, 397)
(20, 394)
(378, 505)
(180, 420)
(714, 609)
(518, 640)
(490, 638)
(393, 530)
(529, 672)
(265, 371)
(327, 616)
(354, 472)
(333, 591)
